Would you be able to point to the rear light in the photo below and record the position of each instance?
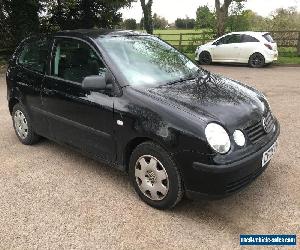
(268, 46)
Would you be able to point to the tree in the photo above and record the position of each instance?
(205, 19)
(4, 26)
(147, 11)
(86, 14)
(187, 23)
(159, 22)
(130, 24)
(285, 18)
(236, 21)
(222, 14)
(22, 16)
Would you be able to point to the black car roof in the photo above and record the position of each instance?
(95, 33)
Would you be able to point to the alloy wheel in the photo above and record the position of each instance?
(257, 60)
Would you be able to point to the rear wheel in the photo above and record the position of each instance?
(23, 125)
(205, 58)
(155, 176)
(256, 60)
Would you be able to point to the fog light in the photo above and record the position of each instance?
(239, 138)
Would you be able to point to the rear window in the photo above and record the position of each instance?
(268, 37)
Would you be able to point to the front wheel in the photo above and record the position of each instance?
(155, 176)
(205, 58)
(256, 60)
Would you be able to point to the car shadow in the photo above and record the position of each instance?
(202, 210)
(231, 216)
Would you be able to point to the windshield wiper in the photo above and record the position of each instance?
(180, 80)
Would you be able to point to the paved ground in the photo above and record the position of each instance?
(51, 197)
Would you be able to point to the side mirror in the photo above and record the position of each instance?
(94, 83)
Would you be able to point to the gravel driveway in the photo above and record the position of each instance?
(52, 197)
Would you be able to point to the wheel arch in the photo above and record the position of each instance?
(133, 143)
(256, 52)
(11, 103)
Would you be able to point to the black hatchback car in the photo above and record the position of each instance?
(135, 102)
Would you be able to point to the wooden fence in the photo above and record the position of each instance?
(189, 41)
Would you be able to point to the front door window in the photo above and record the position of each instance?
(74, 60)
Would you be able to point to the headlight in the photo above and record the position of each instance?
(239, 138)
(217, 138)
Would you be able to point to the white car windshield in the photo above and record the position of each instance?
(146, 60)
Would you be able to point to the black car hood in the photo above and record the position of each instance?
(214, 98)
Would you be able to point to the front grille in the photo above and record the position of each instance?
(258, 130)
(255, 132)
(236, 185)
(268, 122)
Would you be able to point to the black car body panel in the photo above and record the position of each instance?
(109, 126)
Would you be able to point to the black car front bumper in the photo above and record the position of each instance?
(218, 181)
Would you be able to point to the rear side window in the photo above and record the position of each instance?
(34, 54)
(268, 37)
(73, 60)
(249, 39)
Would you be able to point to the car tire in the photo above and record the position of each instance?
(256, 60)
(23, 125)
(155, 176)
(205, 58)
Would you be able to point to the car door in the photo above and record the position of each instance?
(218, 51)
(79, 118)
(249, 45)
(30, 72)
(227, 48)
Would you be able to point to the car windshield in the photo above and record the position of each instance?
(148, 61)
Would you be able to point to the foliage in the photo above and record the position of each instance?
(205, 19)
(20, 18)
(222, 11)
(281, 19)
(186, 23)
(239, 19)
(86, 14)
(159, 22)
(129, 24)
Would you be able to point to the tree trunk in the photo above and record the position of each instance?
(222, 14)
(148, 20)
(221, 19)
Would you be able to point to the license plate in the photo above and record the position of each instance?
(267, 155)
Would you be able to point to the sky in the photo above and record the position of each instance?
(172, 9)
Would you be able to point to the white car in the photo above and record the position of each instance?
(253, 48)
